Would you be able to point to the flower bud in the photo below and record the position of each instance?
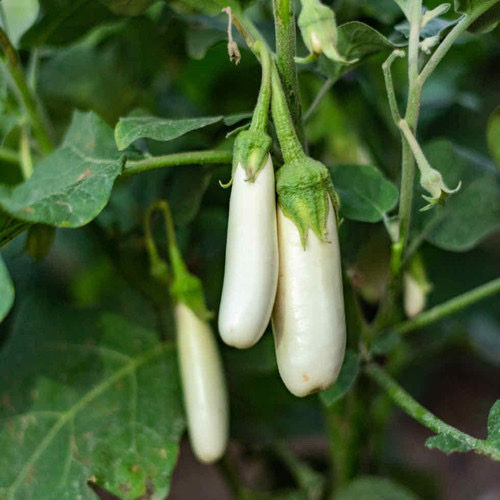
(319, 30)
(415, 287)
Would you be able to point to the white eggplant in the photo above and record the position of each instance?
(251, 272)
(415, 295)
(203, 383)
(308, 317)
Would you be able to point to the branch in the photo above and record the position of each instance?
(450, 307)
(413, 408)
(389, 85)
(172, 160)
(284, 23)
(450, 39)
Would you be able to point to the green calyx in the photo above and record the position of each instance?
(319, 30)
(305, 190)
(251, 150)
(186, 287)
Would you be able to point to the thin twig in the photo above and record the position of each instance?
(413, 408)
(450, 307)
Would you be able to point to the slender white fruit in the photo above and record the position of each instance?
(308, 317)
(203, 383)
(415, 295)
(251, 272)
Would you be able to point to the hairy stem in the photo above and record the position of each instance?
(411, 117)
(413, 408)
(284, 22)
(450, 307)
(187, 158)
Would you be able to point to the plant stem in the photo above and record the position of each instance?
(175, 159)
(389, 86)
(319, 96)
(25, 94)
(261, 111)
(450, 307)
(450, 39)
(9, 156)
(291, 147)
(413, 408)
(411, 117)
(284, 23)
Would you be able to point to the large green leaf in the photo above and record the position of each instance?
(468, 215)
(63, 21)
(356, 40)
(494, 425)
(18, 16)
(375, 488)
(6, 291)
(345, 381)
(86, 399)
(160, 129)
(466, 6)
(72, 185)
(365, 194)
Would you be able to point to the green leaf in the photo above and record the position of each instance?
(467, 216)
(72, 185)
(18, 16)
(494, 425)
(6, 291)
(199, 40)
(467, 6)
(486, 22)
(356, 40)
(493, 135)
(375, 488)
(160, 129)
(347, 377)
(404, 5)
(365, 194)
(436, 26)
(86, 399)
(447, 443)
(63, 21)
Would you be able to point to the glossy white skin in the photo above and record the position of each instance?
(251, 272)
(308, 317)
(204, 385)
(414, 296)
